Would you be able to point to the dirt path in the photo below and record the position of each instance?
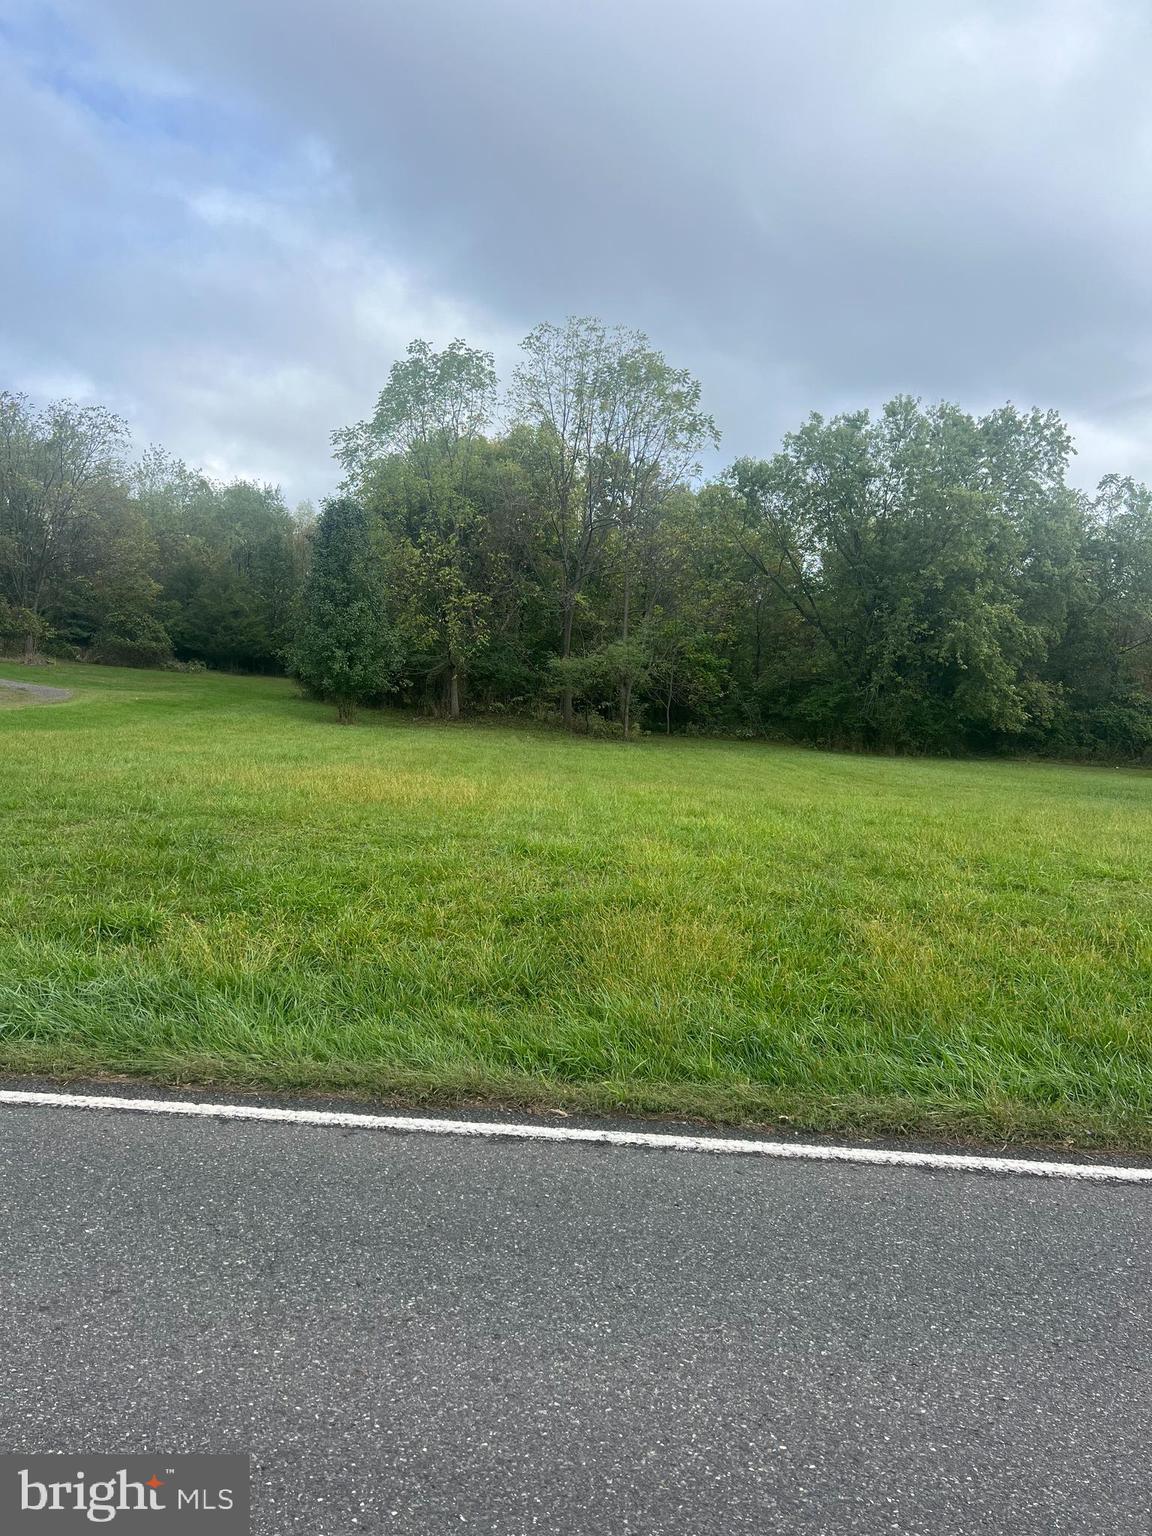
(37, 690)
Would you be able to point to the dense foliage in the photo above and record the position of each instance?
(344, 649)
(919, 579)
(141, 564)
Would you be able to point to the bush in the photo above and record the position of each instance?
(16, 624)
(131, 640)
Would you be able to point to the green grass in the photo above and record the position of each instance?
(206, 880)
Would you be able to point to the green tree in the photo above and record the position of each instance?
(907, 546)
(345, 650)
(415, 463)
(228, 559)
(59, 466)
(612, 429)
(1100, 666)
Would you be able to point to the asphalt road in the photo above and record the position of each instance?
(417, 1334)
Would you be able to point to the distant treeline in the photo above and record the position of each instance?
(141, 564)
(919, 580)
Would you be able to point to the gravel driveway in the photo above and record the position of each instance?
(37, 690)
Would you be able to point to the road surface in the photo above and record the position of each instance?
(421, 1335)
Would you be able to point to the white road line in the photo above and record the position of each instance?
(656, 1140)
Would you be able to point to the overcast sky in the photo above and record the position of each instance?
(226, 218)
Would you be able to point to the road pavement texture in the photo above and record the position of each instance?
(421, 1334)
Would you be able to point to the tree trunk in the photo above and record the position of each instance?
(565, 652)
(454, 694)
(29, 648)
(668, 711)
(626, 686)
(345, 711)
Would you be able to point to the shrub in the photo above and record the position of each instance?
(131, 640)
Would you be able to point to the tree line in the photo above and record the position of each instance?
(137, 563)
(917, 579)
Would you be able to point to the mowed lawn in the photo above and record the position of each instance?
(205, 879)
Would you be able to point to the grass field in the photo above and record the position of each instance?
(206, 880)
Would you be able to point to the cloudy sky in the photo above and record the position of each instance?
(226, 218)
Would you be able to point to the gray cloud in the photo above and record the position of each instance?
(812, 206)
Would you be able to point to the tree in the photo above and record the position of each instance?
(908, 546)
(345, 651)
(414, 462)
(1100, 664)
(228, 560)
(916, 579)
(57, 466)
(433, 409)
(1121, 518)
(612, 429)
(683, 665)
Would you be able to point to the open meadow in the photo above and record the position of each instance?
(205, 879)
